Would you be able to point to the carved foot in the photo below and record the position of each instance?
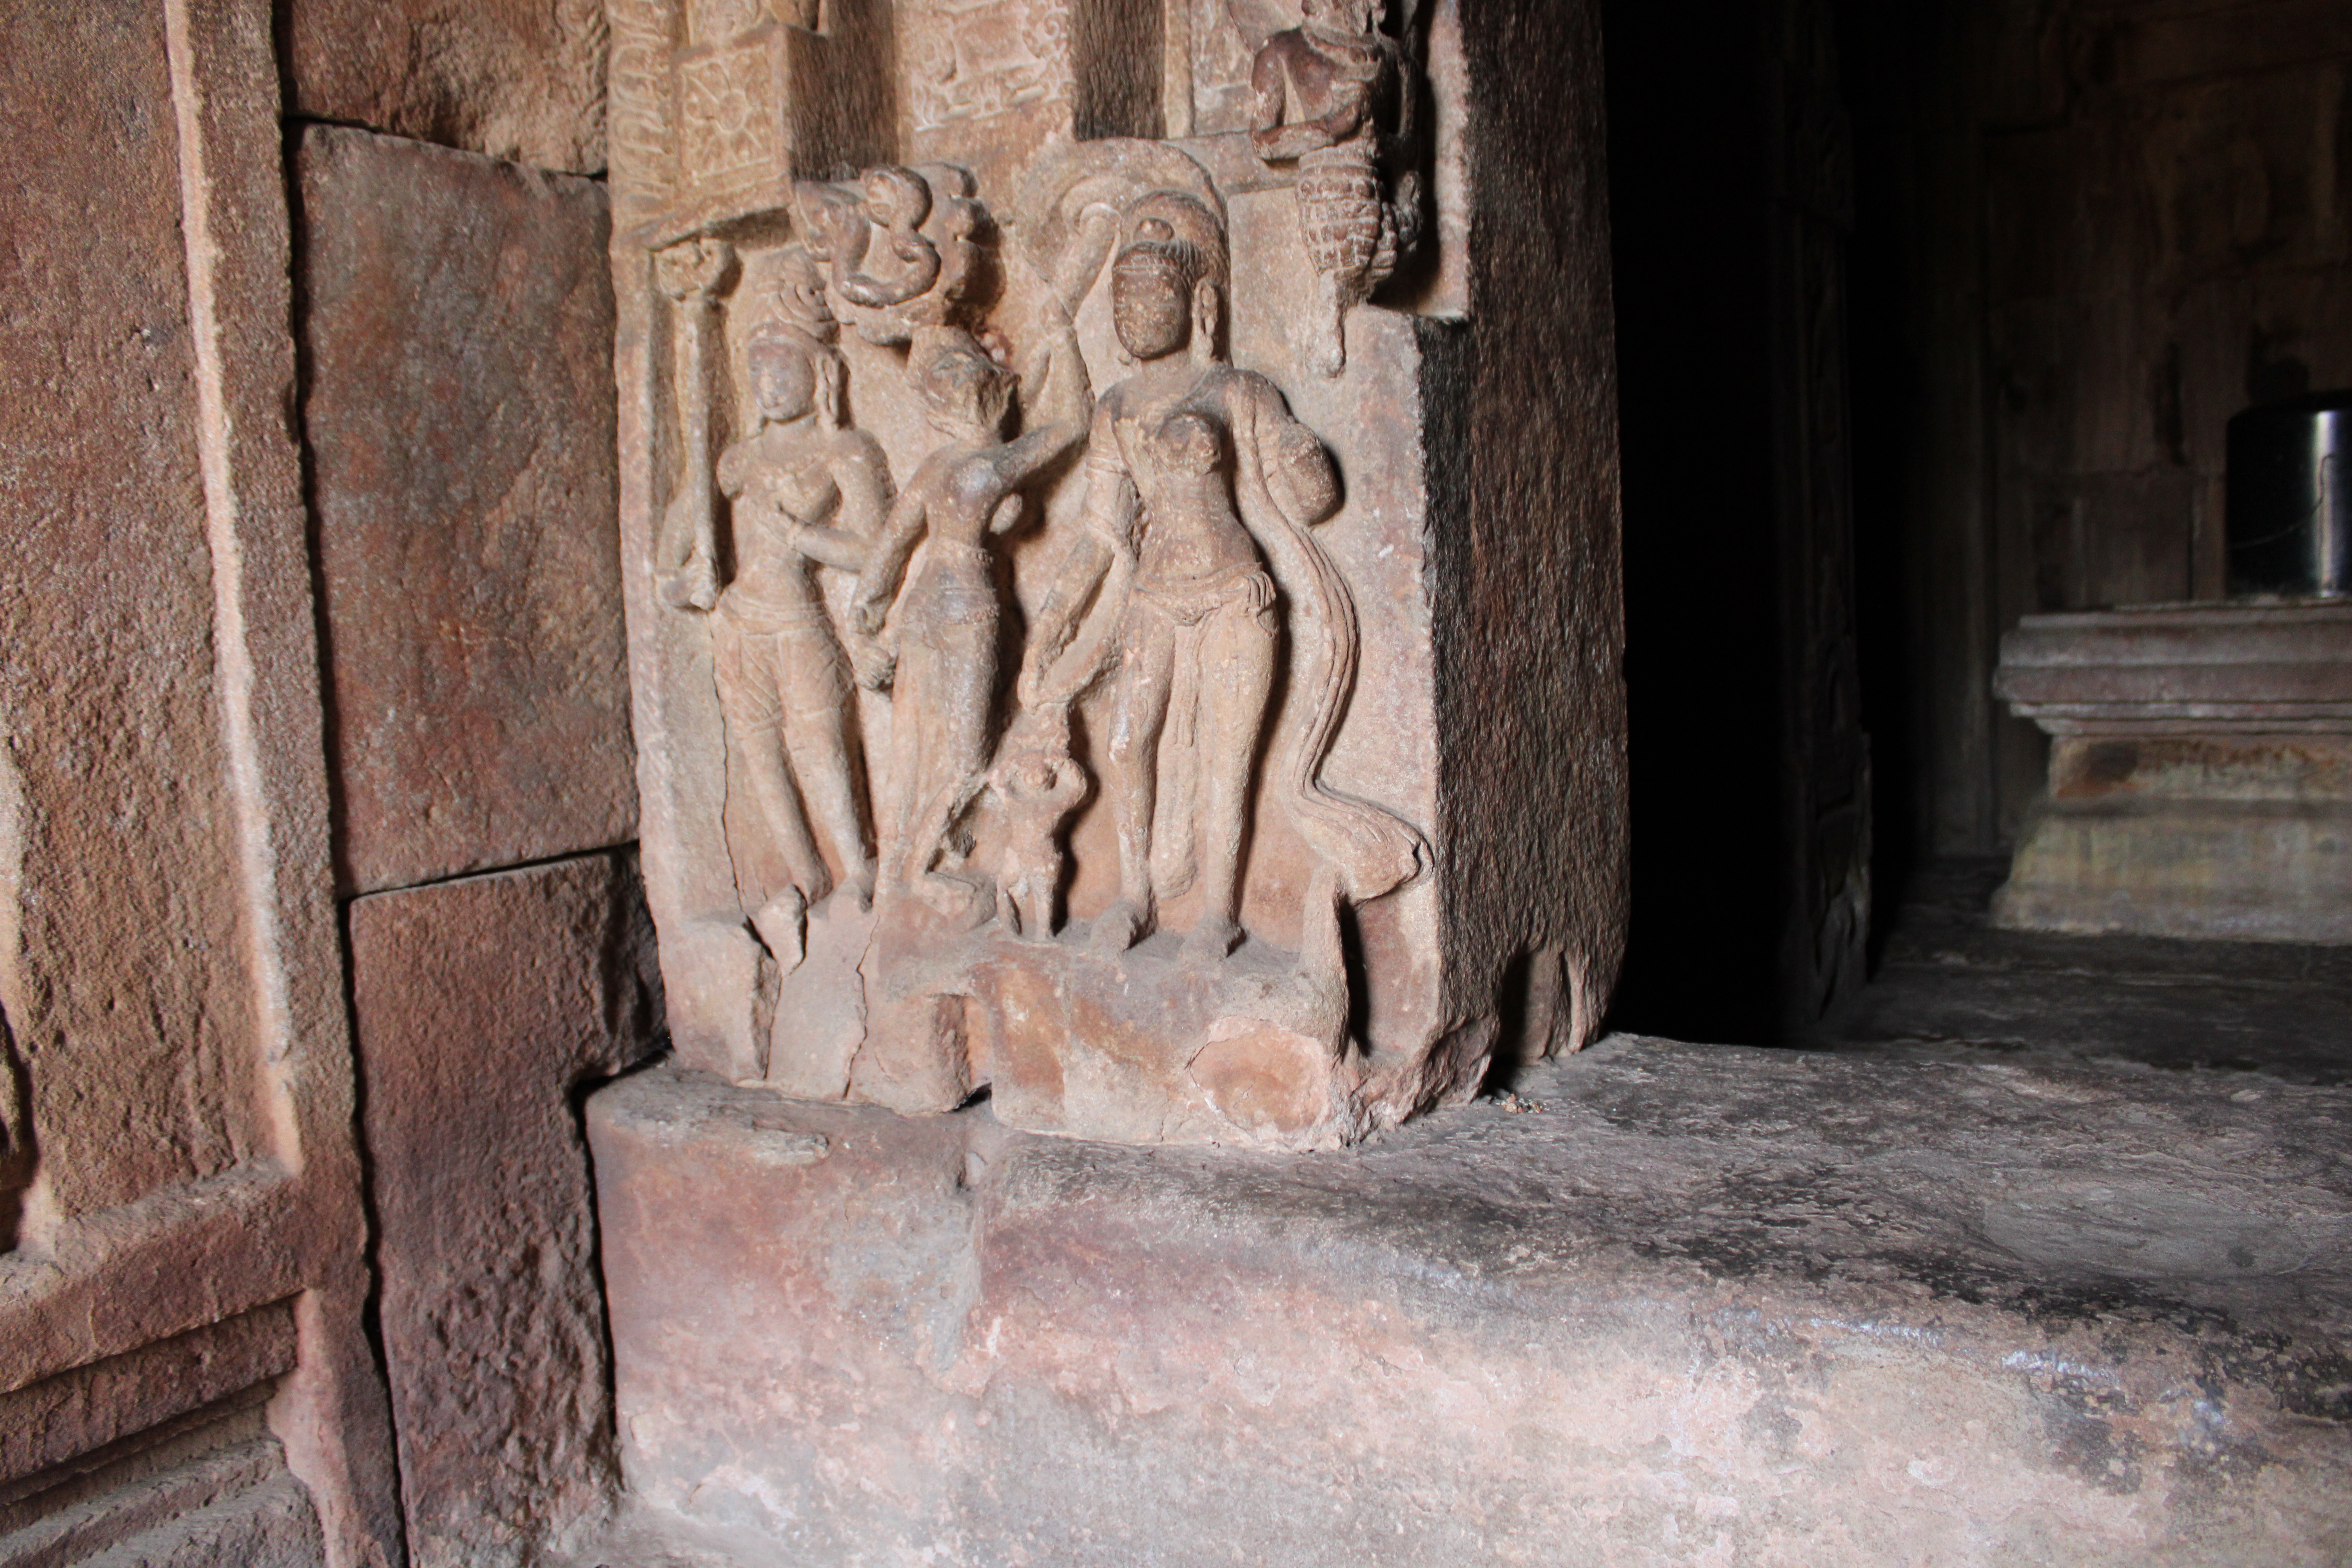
(1121, 927)
(1214, 937)
(782, 925)
(965, 902)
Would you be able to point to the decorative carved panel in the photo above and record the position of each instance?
(1031, 607)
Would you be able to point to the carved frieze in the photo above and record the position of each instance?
(1336, 97)
(970, 59)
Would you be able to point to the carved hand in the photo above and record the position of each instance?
(693, 587)
(692, 268)
(1312, 487)
(874, 665)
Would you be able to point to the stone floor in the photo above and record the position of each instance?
(1669, 1303)
(1948, 984)
(2047, 1259)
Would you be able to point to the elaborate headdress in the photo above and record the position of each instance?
(1171, 231)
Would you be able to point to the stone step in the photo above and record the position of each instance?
(1670, 1303)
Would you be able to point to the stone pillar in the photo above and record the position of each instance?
(2201, 771)
(1228, 778)
(457, 327)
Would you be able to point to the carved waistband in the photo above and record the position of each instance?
(1197, 598)
(752, 615)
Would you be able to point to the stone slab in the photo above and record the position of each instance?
(2200, 771)
(1670, 1304)
(82, 1410)
(481, 1006)
(1948, 979)
(2275, 870)
(460, 413)
(522, 79)
(2259, 667)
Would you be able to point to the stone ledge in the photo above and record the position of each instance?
(1695, 1302)
(2183, 668)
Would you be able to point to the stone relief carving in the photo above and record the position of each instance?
(972, 59)
(805, 492)
(898, 247)
(1026, 694)
(691, 274)
(1336, 96)
(727, 101)
(945, 621)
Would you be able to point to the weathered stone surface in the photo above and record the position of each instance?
(235, 1506)
(2201, 771)
(522, 79)
(460, 413)
(1949, 981)
(481, 1005)
(1264, 482)
(1674, 1304)
(79, 1412)
(115, 852)
(171, 981)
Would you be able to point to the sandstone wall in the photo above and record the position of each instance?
(310, 590)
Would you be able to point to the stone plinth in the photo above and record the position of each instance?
(2201, 771)
(1681, 1304)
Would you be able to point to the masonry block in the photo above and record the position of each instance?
(482, 1006)
(460, 414)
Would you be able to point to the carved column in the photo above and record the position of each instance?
(1197, 555)
(690, 274)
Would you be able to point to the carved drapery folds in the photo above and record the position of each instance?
(1004, 669)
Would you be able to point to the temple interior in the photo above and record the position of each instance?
(1175, 782)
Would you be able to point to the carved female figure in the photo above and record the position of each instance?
(1196, 473)
(807, 491)
(945, 620)
(1170, 564)
(1324, 93)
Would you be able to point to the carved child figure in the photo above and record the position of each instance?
(1329, 94)
(1037, 785)
(807, 491)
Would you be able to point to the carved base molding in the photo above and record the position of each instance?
(2201, 771)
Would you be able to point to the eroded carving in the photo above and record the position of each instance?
(899, 248)
(807, 490)
(1090, 652)
(1179, 576)
(969, 59)
(945, 622)
(691, 273)
(1335, 96)
(727, 100)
